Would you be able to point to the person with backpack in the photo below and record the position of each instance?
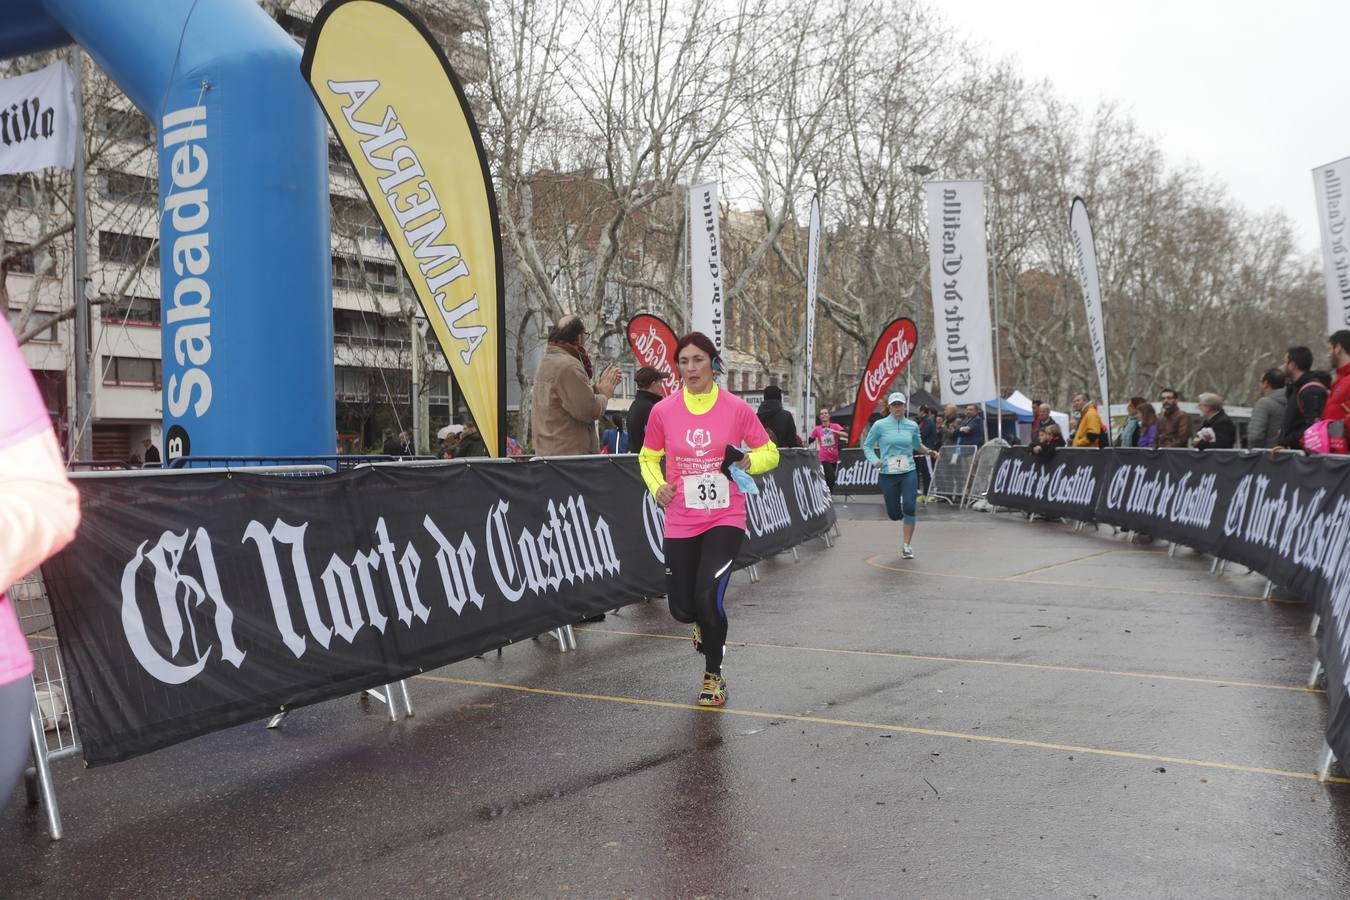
(1327, 434)
(776, 420)
(1338, 402)
(1306, 394)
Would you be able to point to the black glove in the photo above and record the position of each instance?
(730, 457)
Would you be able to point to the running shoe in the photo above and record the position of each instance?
(907, 552)
(698, 639)
(714, 691)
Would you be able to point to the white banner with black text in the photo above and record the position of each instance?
(959, 276)
(37, 120)
(705, 264)
(1332, 184)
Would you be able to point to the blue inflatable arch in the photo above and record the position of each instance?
(245, 275)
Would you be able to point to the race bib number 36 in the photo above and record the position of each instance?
(708, 491)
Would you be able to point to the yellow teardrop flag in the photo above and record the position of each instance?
(400, 113)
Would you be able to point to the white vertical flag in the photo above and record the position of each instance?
(1085, 249)
(705, 264)
(959, 276)
(37, 120)
(812, 270)
(1332, 184)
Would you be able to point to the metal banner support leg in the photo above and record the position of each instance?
(1325, 761)
(44, 775)
(1316, 673)
(1316, 624)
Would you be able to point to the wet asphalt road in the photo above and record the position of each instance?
(1022, 711)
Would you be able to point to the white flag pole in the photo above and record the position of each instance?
(812, 274)
(1085, 249)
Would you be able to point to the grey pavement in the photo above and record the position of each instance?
(1021, 711)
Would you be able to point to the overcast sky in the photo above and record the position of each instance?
(1255, 93)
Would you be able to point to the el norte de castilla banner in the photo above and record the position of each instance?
(1286, 517)
(401, 115)
(187, 604)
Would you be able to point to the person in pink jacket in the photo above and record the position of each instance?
(826, 438)
(39, 511)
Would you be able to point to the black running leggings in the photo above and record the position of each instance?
(697, 571)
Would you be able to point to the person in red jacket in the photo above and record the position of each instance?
(1338, 402)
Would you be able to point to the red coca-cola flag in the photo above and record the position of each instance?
(889, 357)
(653, 344)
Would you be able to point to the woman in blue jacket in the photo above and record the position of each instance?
(890, 445)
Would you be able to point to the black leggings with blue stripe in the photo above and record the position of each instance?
(697, 571)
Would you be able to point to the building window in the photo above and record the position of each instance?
(124, 124)
(338, 163)
(350, 384)
(377, 277)
(123, 187)
(126, 371)
(130, 310)
(113, 246)
(45, 336)
(17, 190)
(439, 389)
(355, 218)
(21, 259)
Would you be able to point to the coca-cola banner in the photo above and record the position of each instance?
(653, 343)
(1286, 517)
(959, 278)
(1064, 485)
(191, 602)
(889, 357)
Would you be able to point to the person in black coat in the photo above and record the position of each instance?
(648, 380)
(776, 420)
(1306, 392)
(1222, 432)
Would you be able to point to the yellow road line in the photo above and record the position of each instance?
(871, 561)
(895, 729)
(1061, 565)
(1189, 679)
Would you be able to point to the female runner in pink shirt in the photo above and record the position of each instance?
(39, 510)
(696, 433)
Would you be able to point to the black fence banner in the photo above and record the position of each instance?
(1064, 485)
(190, 603)
(855, 474)
(1286, 517)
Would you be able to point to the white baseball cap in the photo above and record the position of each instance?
(897, 397)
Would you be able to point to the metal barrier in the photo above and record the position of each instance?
(951, 474)
(334, 461)
(982, 474)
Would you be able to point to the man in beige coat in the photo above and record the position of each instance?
(565, 405)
